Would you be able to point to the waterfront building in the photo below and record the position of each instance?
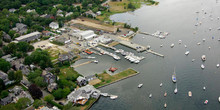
(29, 37)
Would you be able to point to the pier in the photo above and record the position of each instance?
(134, 46)
(74, 66)
(157, 34)
(155, 53)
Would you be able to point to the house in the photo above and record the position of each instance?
(46, 108)
(98, 13)
(85, 35)
(90, 13)
(4, 77)
(46, 33)
(49, 77)
(54, 25)
(60, 14)
(31, 11)
(83, 94)
(25, 69)
(66, 57)
(29, 37)
(20, 28)
(59, 11)
(12, 10)
(81, 81)
(9, 58)
(52, 86)
(16, 90)
(68, 14)
(6, 37)
(7, 100)
(46, 16)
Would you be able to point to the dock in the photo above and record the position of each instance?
(158, 34)
(155, 53)
(74, 66)
(134, 46)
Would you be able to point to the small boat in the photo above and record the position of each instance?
(187, 53)
(202, 66)
(180, 41)
(218, 99)
(140, 85)
(203, 40)
(172, 45)
(161, 45)
(209, 48)
(185, 46)
(113, 97)
(206, 102)
(174, 76)
(203, 57)
(150, 95)
(219, 39)
(217, 65)
(165, 94)
(161, 84)
(210, 29)
(165, 105)
(193, 60)
(204, 88)
(175, 90)
(96, 61)
(198, 43)
(190, 94)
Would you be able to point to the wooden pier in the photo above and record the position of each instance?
(155, 53)
(74, 66)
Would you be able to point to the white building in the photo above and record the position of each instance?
(29, 37)
(54, 25)
(85, 35)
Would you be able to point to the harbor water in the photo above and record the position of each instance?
(178, 17)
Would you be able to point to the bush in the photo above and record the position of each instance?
(4, 94)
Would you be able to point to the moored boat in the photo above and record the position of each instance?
(204, 88)
(174, 76)
(217, 65)
(150, 95)
(172, 45)
(206, 102)
(203, 57)
(187, 53)
(113, 97)
(190, 94)
(165, 94)
(218, 99)
(140, 85)
(161, 84)
(165, 105)
(175, 90)
(202, 66)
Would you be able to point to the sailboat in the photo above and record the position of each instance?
(165, 94)
(174, 76)
(165, 105)
(175, 90)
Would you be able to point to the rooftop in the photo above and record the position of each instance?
(28, 35)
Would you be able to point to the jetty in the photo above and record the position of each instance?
(74, 66)
(137, 47)
(157, 34)
(155, 53)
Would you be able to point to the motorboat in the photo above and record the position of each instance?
(165, 94)
(204, 88)
(203, 57)
(185, 46)
(202, 66)
(172, 45)
(187, 53)
(161, 84)
(175, 90)
(150, 95)
(113, 97)
(190, 94)
(210, 29)
(206, 102)
(193, 60)
(209, 48)
(96, 61)
(219, 39)
(180, 41)
(161, 45)
(203, 40)
(218, 99)
(198, 43)
(217, 65)
(140, 85)
(174, 76)
(165, 105)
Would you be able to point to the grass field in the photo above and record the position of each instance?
(106, 78)
(86, 106)
(67, 71)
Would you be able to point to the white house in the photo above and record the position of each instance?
(85, 35)
(54, 25)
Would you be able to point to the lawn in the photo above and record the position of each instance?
(67, 71)
(106, 78)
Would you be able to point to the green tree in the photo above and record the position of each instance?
(48, 98)
(2, 85)
(40, 81)
(18, 76)
(10, 106)
(4, 94)
(33, 75)
(11, 33)
(23, 103)
(37, 103)
(11, 75)
(54, 11)
(58, 94)
(4, 65)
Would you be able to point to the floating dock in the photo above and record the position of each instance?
(155, 53)
(134, 46)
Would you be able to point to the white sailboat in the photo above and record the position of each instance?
(165, 105)
(187, 53)
(174, 76)
(165, 94)
(204, 88)
(218, 99)
(161, 84)
(172, 45)
(190, 94)
(203, 57)
(202, 66)
(140, 85)
(150, 95)
(217, 65)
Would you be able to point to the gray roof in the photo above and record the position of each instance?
(80, 78)
(28, 35)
